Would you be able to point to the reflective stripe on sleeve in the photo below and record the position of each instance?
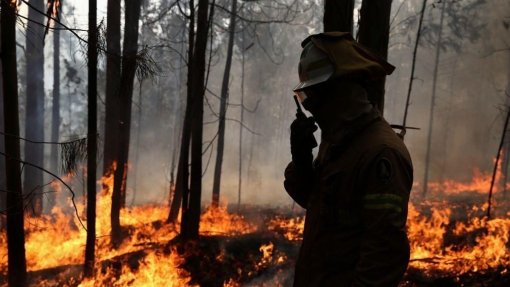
(383, 202)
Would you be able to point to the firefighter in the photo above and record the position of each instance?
(357, 189)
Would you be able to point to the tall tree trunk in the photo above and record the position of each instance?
(413, 64)
(223, 107)
(137, 143)
(91, 140)
(17, 270)
(241, 120)
(2, 158)
(112, 101)
(34, 121)
(191, 212)
(433, 101)
(55, 109)
(374, 28)
(338, 15)
(182, 178)
(506, 163)
(130, 50)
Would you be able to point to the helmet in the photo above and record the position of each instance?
(314, 67)
(333, 55)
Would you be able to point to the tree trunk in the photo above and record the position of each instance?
(34, 121)
(433, 101)
(91, 140)
(129, 53)
(55, 110)
(241, 120)
(191, 212)
(112, 100)
(2, 158)
(506, 149)
(373, 33)
(182, 178)
(338, 15)
(223, 107)
(137, 143)
(17, 270)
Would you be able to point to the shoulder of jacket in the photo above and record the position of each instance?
(379, 138)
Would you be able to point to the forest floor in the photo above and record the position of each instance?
(265, 257)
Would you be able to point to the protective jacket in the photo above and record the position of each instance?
(355, 196)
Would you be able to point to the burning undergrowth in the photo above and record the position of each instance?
(452, 244)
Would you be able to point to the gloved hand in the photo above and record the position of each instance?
(302, 140)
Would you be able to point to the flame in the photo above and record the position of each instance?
(439, 239)
(156, 269)
(292, 228)
(480, 183)
(217, 221)
(430, 251)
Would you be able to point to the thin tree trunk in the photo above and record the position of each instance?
(241, 119)
(2, 158)
(177, 124)
(433, 101)
(55, 110)
(130, 50)
(505, 164)
(223, 107)
(374, 28)
(338, 15)
(413, 65)
(112, 100)
(137, 144)
(91, 141)
(498, 155)
(17, 269)
(34, 121)
(182, 178)
(191, 212)
(113, 75)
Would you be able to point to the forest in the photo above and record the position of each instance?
(144, 142)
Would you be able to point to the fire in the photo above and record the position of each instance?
(444, 238)
(217, 221)
(484, 245)
(156, 269)
(292, 228)
(426, 234)
(480, 183)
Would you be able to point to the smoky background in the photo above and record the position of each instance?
(471, 94)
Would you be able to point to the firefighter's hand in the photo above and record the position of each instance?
(302, 140)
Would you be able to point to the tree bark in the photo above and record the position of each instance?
(129, 53)
(182, 178)
(91, 140)
(241, 120)
(34, 120)
(191, 212)
(17, 269)
(113, 74)
(338, 15)
(223, 107)
(112, 98)
(2, 158)
(55, 109)
(433, 101)
(373, 33)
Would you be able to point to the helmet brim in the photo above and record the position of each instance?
(312, 82)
